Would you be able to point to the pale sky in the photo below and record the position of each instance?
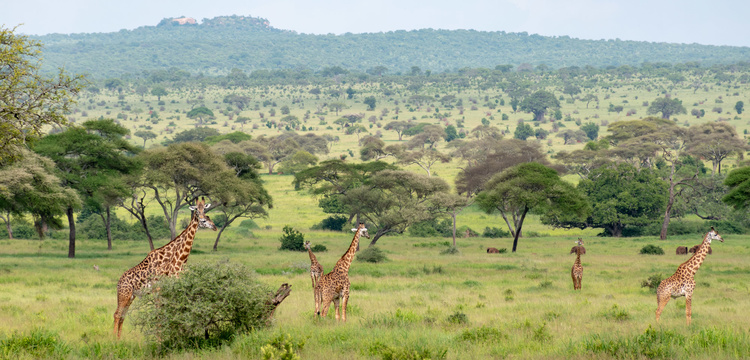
(716, 22)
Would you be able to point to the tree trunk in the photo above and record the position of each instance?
(453, 215)
(72, 237)
(218, 236)
(275, 300)
(614, 229)
(670, 203)
(108, 225)
(376, 237)
(148, 233)
(7, 225)
(518, 230)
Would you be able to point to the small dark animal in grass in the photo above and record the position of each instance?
(694, 248)
(681, 250)
(493, 251)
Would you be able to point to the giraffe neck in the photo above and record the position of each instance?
(312, 256)
(346, 260)
(578, 258)
(695, 261)
(184, 243)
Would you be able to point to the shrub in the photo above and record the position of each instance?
(206, 306)
(615, 313)
(292, 240)
(451, 250)
(334, 222)
(495, 233)
(282, 347)
(318, 248)
(652, 250)
(652, 282)
(458, 318)
(482, 334)
(372, 254)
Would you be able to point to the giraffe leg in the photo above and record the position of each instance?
(337, 306)
(344, 302)
(123, 303)
(325, 303)
(688, 309)
(662, 298)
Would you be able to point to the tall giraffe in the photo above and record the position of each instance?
(316, 270)
(334, 286)
(164, 261)
(682, 283)
(577, 271)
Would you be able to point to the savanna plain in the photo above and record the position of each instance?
(420, 302)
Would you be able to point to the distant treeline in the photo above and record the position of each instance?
(218, 45)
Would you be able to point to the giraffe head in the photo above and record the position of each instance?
(362, 230)
(200, 212)
(713, 235)
(307, 245)
(579, 242)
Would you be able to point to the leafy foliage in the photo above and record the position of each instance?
(292, 240)
(372, 254)
(206, 306)
(652, 250)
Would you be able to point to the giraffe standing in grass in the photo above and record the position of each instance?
(682, 283)
(334, 286)
(577, 271)
(316, 270)
(164, 261)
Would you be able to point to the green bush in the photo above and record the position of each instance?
(372, 254)
(21, 230)
(334, 223)
(206, 306)
(292, 240)
(451, 250)
(282, 347)
(319, 248)
(495, 233)
(652, 250)
(652, 282)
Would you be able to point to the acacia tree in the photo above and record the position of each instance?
(667, 107)
(28, 100)
(714, 141)
(86, 159)
(538, 103)
(392, 200)
(530, 187)
(179, 174)
(738, 182)
(399, 127)
(239, 198)
(621, 196)
(30, 186)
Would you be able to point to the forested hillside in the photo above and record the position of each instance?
(215, 46)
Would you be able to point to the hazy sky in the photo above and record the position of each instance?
(715, 22)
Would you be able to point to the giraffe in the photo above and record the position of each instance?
(334, 286)
(682, 283)
(166, 260)
(316, 270)
(577, 271)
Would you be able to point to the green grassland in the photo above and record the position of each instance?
(469, 305)
(420, 303)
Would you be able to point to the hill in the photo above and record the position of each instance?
(215, 46)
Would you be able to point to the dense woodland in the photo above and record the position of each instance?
(218, 45)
